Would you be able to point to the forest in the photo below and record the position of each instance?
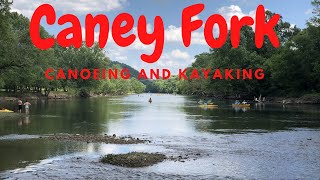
(292, 70)
(22, 65)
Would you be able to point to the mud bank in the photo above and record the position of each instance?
(55, 95)
(306, 99)
(133, 159)
(96, 139)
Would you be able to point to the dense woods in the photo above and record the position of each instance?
(22, 66)
(291, 70)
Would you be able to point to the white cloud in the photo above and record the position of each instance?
(116, 54)
(174, 34)
(233, 10)
(136, 45)
(228, 11)
(177, 54)
(195, 18)
(174, 60)
(121, 58)
(308, 12)
(26, 7)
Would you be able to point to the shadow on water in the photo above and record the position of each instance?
(257, 118)
(21, 152)
(83, 116)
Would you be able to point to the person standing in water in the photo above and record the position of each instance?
(150, 100)
(27, 106)
(19, 106)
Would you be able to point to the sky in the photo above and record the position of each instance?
(175, 55)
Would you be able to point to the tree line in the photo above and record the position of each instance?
(22, 65)
(291, 70)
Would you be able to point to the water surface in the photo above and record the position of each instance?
(177, 123)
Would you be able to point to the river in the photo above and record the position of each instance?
(268, 141)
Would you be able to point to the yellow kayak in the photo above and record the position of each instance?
(240, 105)
(6, 111)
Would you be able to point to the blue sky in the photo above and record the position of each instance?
(175, 55)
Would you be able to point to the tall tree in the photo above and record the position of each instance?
(315, 20)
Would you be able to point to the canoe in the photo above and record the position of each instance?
(6, 111)
(240, 105)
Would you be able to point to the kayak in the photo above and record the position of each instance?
(240, 105)
(6, 111)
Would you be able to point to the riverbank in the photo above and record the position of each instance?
(304, 99)
(54, 95)
(35, 96)
(95, 139)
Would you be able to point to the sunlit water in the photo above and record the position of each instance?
(232, 138)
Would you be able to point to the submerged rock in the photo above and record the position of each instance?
(96, 139)
(133, 159)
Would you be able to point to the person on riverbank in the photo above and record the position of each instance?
(27, 106)
(19, 105)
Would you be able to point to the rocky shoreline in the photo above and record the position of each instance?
(95, 139)
(305, 99)
(133, 159)
(281, 155)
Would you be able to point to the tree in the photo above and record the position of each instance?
(246, 56)
(5, 6)
(137, 86)
(84, 57)
(315, 20)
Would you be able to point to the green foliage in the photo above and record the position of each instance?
(22, 65)
(296, 66)
(137, 86)
(315, 20)
(5, 6)
(291, 70)
(167, 86)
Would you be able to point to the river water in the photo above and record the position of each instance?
(268, 141)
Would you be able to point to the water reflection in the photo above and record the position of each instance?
(260, 117)
(260, 106)
(167, 114)
(83, 116)
(24, 121)
(241, 109)
(21, 152)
